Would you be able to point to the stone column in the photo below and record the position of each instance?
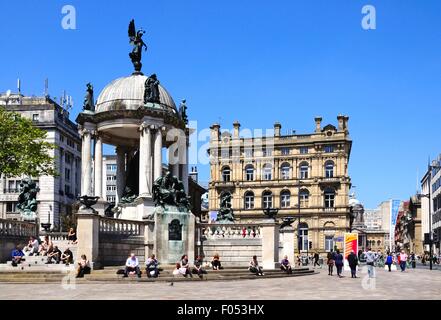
(120, 172)
(98, 166)
(174, 164)
(145, 161)
(86, 160)
(270, 244)
(158, 154)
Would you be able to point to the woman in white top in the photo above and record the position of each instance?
(255, 268)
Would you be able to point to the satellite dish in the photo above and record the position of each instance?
(8, 93)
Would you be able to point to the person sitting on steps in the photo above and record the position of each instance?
(152, 267)
(17, 256)
(132, 266)
(83, 267)
(54, 254)
(185, 265)
(197, 268)
(255, 268)
(67, 257)
(285, 265)
(216, 264)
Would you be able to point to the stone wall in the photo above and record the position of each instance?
(114, 251)
(13, 233)
(232, 252)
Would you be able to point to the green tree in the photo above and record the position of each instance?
(23, 149)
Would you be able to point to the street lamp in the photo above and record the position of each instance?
(298, 225)
(431, 167)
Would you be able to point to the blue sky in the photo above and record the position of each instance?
(257, 62)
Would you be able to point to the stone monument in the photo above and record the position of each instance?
(174, 222)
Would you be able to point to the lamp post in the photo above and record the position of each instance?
(298, 208)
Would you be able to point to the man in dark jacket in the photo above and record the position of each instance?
(353, 262)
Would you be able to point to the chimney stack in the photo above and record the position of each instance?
(277, 129)
(341, 122)
(318, 123)
(215, 132)
(236, 126)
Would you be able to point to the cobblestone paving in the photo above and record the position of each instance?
(412, 284)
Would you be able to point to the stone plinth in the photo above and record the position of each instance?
(270, 244)
(174, 234)
(287, 235)
(88, 235)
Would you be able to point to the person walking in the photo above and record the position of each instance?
(353, 262)
(413, 260)
(370, 261)
(403, 260)
(330, 262)
(339, 263)
(316, 260)
(389, 261)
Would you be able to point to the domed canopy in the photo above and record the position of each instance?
(127, 93)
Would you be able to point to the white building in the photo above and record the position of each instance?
(431, 184)
(56, 193)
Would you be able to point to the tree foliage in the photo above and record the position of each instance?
(23, 149)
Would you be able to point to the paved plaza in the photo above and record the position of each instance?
(413, 284)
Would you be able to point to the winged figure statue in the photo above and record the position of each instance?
(136, 41)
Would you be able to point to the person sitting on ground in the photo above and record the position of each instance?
(255, 268)
(152, 267)
(67, 257)
(285, 265)
(197, 268)
(216, 264)
(17, 256)
(54, 254)
(132, 266)
(72, 236)
(83, 266)
(185, 264)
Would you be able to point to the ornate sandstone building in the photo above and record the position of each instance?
(304, 176)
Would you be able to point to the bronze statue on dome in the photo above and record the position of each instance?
(136, 41)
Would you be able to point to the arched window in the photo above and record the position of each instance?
(329, 198)
(303, 236)
(226, 174)
(267, 200)
(379, 243)
(249, 172)
(329, 169)
(267, 172)
(249, 200)
(285, 198)
(304, 198)
(304, 170)
(284, 171)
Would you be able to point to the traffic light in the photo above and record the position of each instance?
(435, 236)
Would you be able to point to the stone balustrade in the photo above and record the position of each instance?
(111, 226)
(230, 231)
(55, 236)
(13, 228)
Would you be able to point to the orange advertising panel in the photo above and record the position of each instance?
(350, 243)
